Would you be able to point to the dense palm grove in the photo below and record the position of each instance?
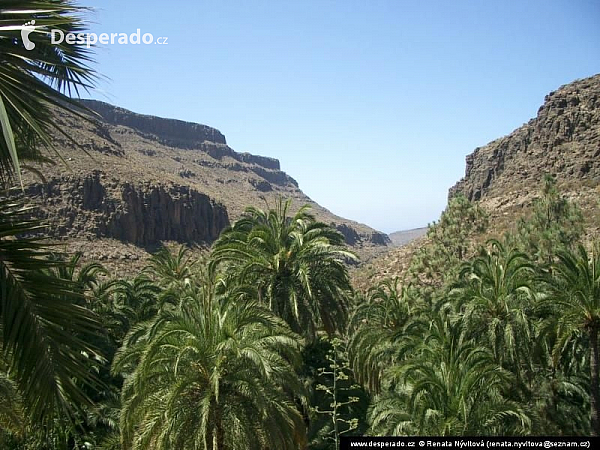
(263, 343)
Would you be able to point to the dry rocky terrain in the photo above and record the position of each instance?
(132, 182)
(405, 237)
(505, 176)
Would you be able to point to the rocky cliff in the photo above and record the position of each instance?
(177, 133)
(563, 140)
(134, 181)
(173, 132)
(505, 176)
(97, 205)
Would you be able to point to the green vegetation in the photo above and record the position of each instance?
(214, 371)
(264, 344)
(296, 264)
(337, 402)
(554, 224)
(453, 240)
(253, 347)
(33, 82)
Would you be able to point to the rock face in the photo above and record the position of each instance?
(379, 238)
(97, 206)
(350, 235)
(174, 132)
(179, 134)
(135, 181)
(563, 140)
(505, 176)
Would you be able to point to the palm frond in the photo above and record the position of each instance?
(43, 327)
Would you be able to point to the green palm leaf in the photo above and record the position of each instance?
(34, 83)
(43, 328)
(296, 263)
(215, 373)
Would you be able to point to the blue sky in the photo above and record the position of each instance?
(371, 105)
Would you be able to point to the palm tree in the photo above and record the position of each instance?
(42, 325)
(296, 263)
(85, 276)
(451, 387)
(560, 402)
(574, 300)
(136, 300)
(495, 298)
(41, 322)
(12, 418)
(382, 329)
(36, 81)
(171, 269)
(215, 374)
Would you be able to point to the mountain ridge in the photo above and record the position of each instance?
(404, 237)
(147, 180)
(505, 176)
(563, 140)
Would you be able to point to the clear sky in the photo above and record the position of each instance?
(371, 105)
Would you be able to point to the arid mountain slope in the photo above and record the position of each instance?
(146, 180)
(563, 140)
(505, 175)
(402, 238)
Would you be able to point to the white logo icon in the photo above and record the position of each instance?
(26, 30)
